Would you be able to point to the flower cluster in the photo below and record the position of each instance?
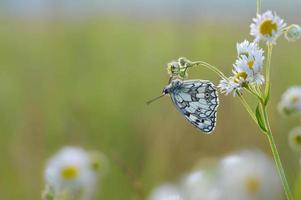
(246, 70)
(72, 173)
(248, 175)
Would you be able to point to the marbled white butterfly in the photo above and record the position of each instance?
(197, 100)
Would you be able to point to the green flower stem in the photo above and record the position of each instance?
(268, 67)
(269, 134)
(272, 143)
(258, 90)
(254, 92)
(276, 156)
(247, 107)
(211, 67)
(258, 10)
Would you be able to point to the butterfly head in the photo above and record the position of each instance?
(170, 87)
(167, 90)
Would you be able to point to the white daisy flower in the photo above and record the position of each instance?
(253, 54)
(228, 86)
(293, 33)
(249, 175)
(243, 76)
(294, 139)
(199, 185)
(291, 101)
(166, 192)
(69, 172)
(246, 48)
(247, 70)
(267, 27)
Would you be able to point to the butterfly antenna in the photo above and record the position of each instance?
(154, 99)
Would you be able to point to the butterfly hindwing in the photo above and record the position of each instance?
(197, 100)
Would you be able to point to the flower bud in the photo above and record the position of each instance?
(173, 68)
(178, 68)
(184, 62)
(293, 33)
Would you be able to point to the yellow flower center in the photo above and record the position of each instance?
(69, 172)
(298, 139)
(252, 185)
(240, 75)
(251, 64)
(267, 27)
(294, 99)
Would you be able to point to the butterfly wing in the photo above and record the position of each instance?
(197, 100)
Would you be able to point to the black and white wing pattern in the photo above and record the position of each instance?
(197, 100)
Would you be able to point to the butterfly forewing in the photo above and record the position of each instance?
(197, 100)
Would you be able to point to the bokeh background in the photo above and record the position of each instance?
(79, 73)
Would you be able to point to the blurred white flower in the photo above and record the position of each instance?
(294, 139)
(291, 101)
(267, 27)
(293, 33)
(249, 175)
(166, 192)
(199, 185)
(69, 172)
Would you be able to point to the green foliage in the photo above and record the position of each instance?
(260, 119)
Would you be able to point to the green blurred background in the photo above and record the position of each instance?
(84, 79)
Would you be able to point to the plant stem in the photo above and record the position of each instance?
(269, 133)
(276, 156)
(268, 67)
(211, 67)
(247, 107)
(254, 92)
(258, 10)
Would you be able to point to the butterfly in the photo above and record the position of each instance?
(197, 100)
